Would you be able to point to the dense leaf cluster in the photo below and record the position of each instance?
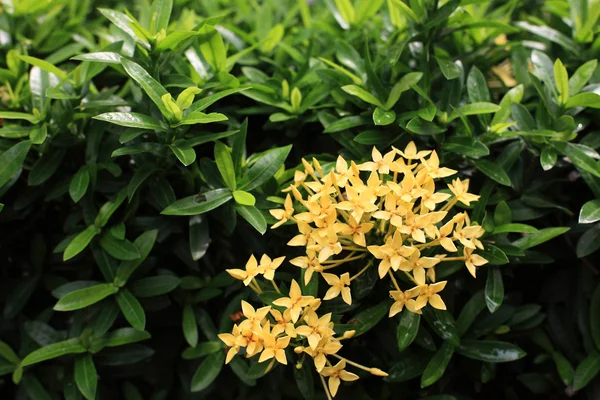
(143, 143)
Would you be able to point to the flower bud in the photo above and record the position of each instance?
(378, 372)
(349, 334)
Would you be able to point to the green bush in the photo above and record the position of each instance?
(144, 146)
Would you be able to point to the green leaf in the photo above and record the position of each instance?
(407, 329)
(493, 254)
(539, 237)
(562, 81)
(586, 370)
(131, 120)
(160, 13)
(550, 34)
(362, 94)
(12, 160)
(85, 297)
(183, 151)
(467, 146)
(54, 350)
(582, 76)
(155, 285)
(123, 336)
(44, 65)
(442, 322)
(225, 165)
(127, 25)
(346, 10)
(502, 214)
(19, 115)
(132, 309)
(449, 69)
(345, 123)
(373, 137)
(119, 249)
(584, 99)
(258, 370)
(208, 371)
(595, 316)
(493, 171)
(8, 354)
(382, 117)
(564, 368)
(106, 57)
(490, 351)
(244, 198)
(365, 319)
(589, 242)
(85, 376)
(39, 135)
(514, 228)
(590, 212)
(548, 158)
(578, 156)
(186, 97)
(213, 49)
(199, 204)
(513, 96)
(473, 109)
(144, 243)
(202, 349)
(470, 311)
(197, 117)
(153, 89)
(494, 289)
(190, 327)
(437, 365)
(402, 86)
(79, 184)
(265, 166)
(420, 126)
(80, 242)
(206, 102)
(253, 216)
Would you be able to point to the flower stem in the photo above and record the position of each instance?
(257, 286)
(394, 280)
(325, 387)
(357, 365)
(275, 286)
(361, 271)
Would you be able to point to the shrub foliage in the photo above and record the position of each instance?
(144, 146)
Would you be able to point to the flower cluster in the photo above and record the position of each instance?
(385, 212)
(268, 331)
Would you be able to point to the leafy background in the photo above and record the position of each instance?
(117, 228)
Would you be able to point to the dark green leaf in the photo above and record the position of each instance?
(265, 166)
(208, 371)
(408, 327)
(199, 204)
(132, 309)
(493, 171)
(494, 289)
(119, 249)
(85, 297)
(12, 160)
(490, 351)
(85, 376)
(71, 346)
(586, 370)
(437, 365)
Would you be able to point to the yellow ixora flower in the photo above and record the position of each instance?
(337, 373)
(283, 215)
(295, 302)
(339, 284)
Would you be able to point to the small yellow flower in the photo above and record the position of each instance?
(433, 167)
(310, 262)
(274, 348)
(252, 270)
(316, 328)
(473, 260)
(283, 323)
(356, 230)
(338, 285)
(283, 215)
(429, 294)
(254, 318)
(295, 302)
(326, 346)
(337, 373)
(410, 152)
(402, 299)
(460, 190)
(417, 264)
(268, 266)
(230, 341)
(302, 238)
(380, 163)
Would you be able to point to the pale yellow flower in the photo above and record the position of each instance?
(403, 299)
(460, 190)
(269, 266)
(252, 270)
(339, 284)
(380, 163)
(429, 294)
(316, 328)
(337, 373)
(473, 260)
(274, 348)
(283, 215)
(295, 302)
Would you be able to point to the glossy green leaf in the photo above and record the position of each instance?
(160, 14)
(362, 94)
(581, 76)
(404, 84)
(213, 49)
(208, 371)
(264, 167)
(85, 297)
(584, 99)
(382, 117)
(155, 285)
(153, 89)
(494, 289)
(79, 184)
(131, 120)
(183, 151)
(493, 171)
(253, 216)
(490, 351)
(408, 327)
(119, 249)
(132, 309)
(539, 237)
(449, 69)
(144, 244)
(190, 327)
(12, 160)
(86, 377)
(55, 350)
(80, 242)
(199, 204)
(442, 322)
(590, 212)
(437, 365)
(225, 165)
(586, 370)
(466, 146)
